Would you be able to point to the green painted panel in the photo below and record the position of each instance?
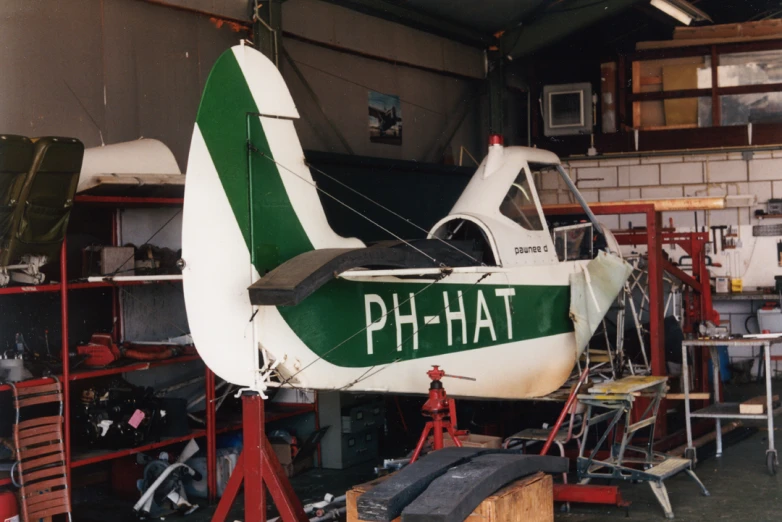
(338, 310)
(223, 120)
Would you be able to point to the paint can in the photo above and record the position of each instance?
(722, 285)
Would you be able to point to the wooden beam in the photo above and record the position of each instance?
(716, 104)
(697, 93)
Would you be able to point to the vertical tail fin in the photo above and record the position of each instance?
(246, 120)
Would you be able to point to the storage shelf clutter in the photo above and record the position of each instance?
(71, 291)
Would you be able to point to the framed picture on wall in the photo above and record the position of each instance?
(385, 118)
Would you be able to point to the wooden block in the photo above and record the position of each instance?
(694, 396)
(530, 499)
(473, 440)
(756, 405)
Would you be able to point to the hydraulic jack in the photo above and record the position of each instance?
(442, 410)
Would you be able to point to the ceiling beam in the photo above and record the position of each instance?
(554, 24)
(417, 20)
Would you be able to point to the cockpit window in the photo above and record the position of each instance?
(519, 204)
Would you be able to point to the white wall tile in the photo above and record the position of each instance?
(610, 222)
(597, 177)
(582, 163)
(776, 154)
(620, 194)
(619, 162)
(776, 189)
(762, 154)
(548, 197)
(706, 157)
(656, 160)
(684, 220)
(729, 216)
(679, 174)
(590, 196)
(705, 191)
(765, 169)
(639, 175)
(637, 220)
(662, 192)
(761, 189)
(716, 171)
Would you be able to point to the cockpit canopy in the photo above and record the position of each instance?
(501, 209)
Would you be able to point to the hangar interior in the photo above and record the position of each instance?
(390, 259)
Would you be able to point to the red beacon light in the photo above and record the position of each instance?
(496, 139)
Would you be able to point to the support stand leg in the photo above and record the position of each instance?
(258, 466)
(659, 490)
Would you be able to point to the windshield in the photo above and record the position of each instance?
(519, 204)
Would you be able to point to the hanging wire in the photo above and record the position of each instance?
(362, 330)
(403, 218)
(381, 227)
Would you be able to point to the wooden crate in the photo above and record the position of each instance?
(530, 499)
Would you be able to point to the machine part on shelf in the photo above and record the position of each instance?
(774, 206)
(711, 330)
(442, 410)
(163, 491)
(451, 498)
(615, 400)
(119, 415)
(102, 351)
(27, 272)
(42, 468)
(766, 230)
(386, 501)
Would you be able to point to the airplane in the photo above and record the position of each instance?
(276, 298)
(386, 119)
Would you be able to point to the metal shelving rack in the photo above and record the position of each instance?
(64, 287)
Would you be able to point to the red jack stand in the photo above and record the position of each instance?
(258, 466)
(442, 410)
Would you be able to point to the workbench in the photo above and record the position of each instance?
(719, 410)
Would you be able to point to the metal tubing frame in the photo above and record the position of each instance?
(768, 416)
(258, 466)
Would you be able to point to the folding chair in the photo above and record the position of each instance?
(40, 450)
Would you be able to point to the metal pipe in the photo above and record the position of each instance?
(565, 410)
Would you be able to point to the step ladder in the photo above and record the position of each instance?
(612, 403)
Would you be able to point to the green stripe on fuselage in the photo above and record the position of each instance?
(223, 121)
(338, 310)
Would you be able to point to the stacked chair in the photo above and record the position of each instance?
(41, 469)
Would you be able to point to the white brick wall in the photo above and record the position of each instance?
(639, 175)
(620, 194)
(679, 174)
(671, 191)
(765, 169)
(597, 177)
(717, 171)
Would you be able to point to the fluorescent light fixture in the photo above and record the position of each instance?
(671, 10)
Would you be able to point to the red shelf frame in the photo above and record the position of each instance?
(83, 285)
(77, 460)
(79, 375)
(32, 289)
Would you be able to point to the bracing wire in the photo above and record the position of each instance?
(364, 375)
(378, 204)
(313, 184)
(362, 330)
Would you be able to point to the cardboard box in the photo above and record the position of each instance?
(291, 466)
(530, 499)
(472, 440)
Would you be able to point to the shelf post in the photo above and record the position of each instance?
(211, 436)
(66, 370)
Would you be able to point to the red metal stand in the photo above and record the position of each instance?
(258, 466)
(442, 410)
